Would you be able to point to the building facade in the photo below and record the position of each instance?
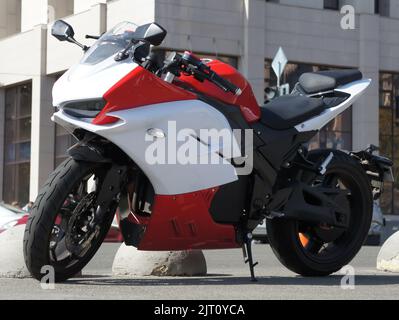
(246, 33)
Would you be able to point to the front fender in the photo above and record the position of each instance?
(83, 151)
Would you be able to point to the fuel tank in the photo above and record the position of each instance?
(246, 101)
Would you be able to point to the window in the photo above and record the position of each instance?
(389, 137)
(381, 7)
(338, 133)
(331, 4)
(17, 144)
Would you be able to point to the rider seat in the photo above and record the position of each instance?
(315, 82)
(288, 111)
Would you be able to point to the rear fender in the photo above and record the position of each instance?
(89, 152)
(378, 168)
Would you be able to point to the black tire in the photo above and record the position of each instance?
(283, 233)
(42, 220)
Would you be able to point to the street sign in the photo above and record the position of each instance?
(279, 63)
(284, 89)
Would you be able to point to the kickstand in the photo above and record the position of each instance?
(247, 252)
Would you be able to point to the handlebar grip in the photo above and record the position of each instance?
(209, 74)
(225, 84)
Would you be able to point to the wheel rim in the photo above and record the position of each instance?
(323, 243)
(71, 237)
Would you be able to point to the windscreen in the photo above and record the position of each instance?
(110, 43)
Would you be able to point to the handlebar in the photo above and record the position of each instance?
(189, 63)
(224, 84)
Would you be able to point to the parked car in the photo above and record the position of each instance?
(374, 238)
(9, 216)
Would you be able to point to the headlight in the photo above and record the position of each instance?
(84, 108)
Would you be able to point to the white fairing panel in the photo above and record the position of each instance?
(171, 178)
(354, 89)
(87, 81)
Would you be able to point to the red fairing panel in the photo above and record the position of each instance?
(183, 222)
(246, 101)
(139, 88)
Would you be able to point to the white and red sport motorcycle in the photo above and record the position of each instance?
(120, 101)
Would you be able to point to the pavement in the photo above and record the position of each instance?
(228, 278)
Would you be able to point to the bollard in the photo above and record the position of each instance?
(132, 262)
(388, 257)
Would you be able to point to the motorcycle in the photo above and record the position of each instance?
(128, 106)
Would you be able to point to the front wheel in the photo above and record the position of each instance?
(319, 249)
(60, 231)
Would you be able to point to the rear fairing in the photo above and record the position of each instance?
(353, 90)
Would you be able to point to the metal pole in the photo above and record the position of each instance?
(278, 76)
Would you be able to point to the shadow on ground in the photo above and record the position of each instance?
(212, 280)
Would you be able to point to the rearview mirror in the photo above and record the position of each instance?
(62, 31)
(152, 33)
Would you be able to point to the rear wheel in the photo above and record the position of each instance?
(318, 249)
(60, 230)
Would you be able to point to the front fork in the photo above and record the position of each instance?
(115, 177)
(111, 188)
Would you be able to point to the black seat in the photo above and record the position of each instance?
(314, 82)
(287, 111)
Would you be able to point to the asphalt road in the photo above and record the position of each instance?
(227, 279)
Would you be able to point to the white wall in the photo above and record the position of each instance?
(253, 52)
(82, 5)
(43, 133)
(389, 39)
(365, 116)
(394, 9)
(361, 6)
(33, 13)
(310, 36)
(136, 11)
(10, 17)
(317, 4)
(60, 9)
(20, 57)
(62, 55)
(203, 26)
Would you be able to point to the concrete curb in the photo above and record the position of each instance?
(12, 264)
(131, 262)
(388, 257)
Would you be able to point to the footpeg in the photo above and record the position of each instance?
(247, 252)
